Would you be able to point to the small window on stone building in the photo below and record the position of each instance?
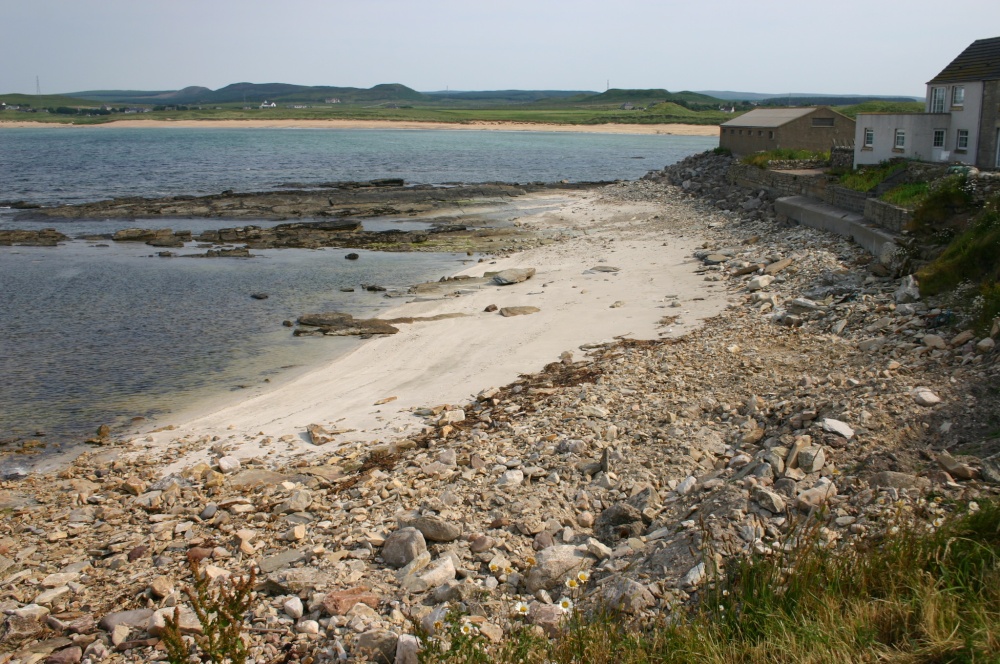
(939, 138)
(962, 140)
(770, 134)
(869, 140)
(760, 132)
(958, 95)
(823, 122)
(937, 100)
(900, 142)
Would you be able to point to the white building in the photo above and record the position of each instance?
(960, 122)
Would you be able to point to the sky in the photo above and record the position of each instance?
(870, 47)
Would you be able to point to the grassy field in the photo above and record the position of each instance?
(669, 114)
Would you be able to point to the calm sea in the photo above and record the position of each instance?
(95, 334)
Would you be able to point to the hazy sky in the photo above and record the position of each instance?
(885, 47)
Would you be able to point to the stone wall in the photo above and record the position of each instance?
(886, 215)
(842, 158)
(795, 164)
(777, 183)
(847, 199)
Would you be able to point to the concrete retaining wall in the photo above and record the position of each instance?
(849, 224)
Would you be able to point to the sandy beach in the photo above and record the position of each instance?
(450, 361)
(662, 129)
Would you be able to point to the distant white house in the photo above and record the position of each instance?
(333, 100)
(268, 104)
(960, 122)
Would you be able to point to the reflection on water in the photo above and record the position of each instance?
(94, 335)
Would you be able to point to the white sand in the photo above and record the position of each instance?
(664, 129)
(449, 361)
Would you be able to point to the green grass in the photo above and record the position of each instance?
(869, 177)
(909, 195)
(761, 159)
(912, 594)
(882, 107)
(545, 112)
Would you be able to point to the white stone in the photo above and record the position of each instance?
(511, 478)
(986, 345)
(759, 282)
(229, 464)
(293, 608)
(831, 425)
(924, 397)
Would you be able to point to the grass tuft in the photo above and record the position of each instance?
(926, 590)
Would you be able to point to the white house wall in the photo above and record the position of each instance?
(919, 128)
(964, 117)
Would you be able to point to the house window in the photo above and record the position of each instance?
(869, 137)
(962, 140)
(760, 132)
(770, 134)
(937, 100)
(822, 122)
(939, 138)
(958, 95)
(900, 142)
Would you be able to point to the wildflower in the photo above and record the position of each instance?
(494, 567)
(438, 625)
(973, 507)
(530, 561)
(508, 570)
(521, 609)
(565, 604)
(582, 576)
(572, 583)
(894, 530)
(938, 522)
(467, 628)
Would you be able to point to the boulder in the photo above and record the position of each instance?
(402, 546)
(507, 312)
(434, 528)
(513, 276)
(552, 564)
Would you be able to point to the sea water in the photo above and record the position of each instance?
(100, 332)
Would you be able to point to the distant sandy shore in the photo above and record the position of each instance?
(663, 129)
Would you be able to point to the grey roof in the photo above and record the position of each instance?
(979, 62)
(768, 117)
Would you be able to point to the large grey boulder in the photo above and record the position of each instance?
(513, 276)
(553, 564)
(403, 546)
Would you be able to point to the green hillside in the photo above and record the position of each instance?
(47, 101)
(882, 107)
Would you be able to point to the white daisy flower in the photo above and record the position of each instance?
(565, 604)
(572, 583)
(583, 577)
(521, 609)
(973, 506)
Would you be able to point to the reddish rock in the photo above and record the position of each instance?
(339, 602)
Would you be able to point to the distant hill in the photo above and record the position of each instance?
(648, 96)
(803, 98)
(46, 101)
(513, 96)
(830, 100)
(255, 93)
(140, 96)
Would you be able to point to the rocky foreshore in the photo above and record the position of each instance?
(383, 198)
(623, 474)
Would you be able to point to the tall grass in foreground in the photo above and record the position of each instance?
(914, 594)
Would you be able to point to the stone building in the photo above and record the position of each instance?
(763, 129)
(960, 122)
